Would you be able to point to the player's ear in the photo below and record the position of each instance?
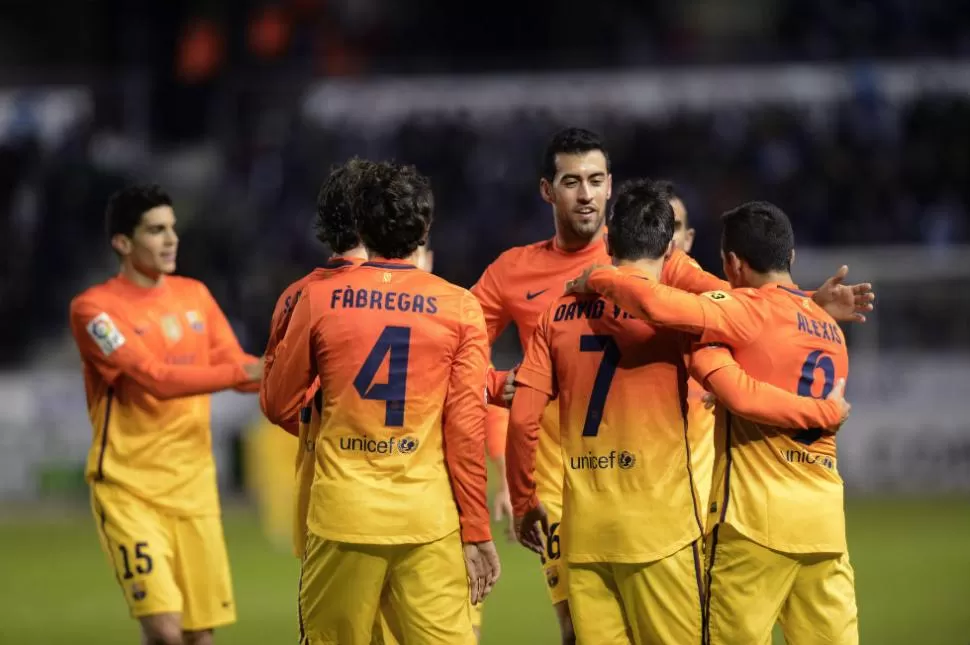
(609, 186)
(791, 260)
(545, 189)
(121, 244)
(688, 240)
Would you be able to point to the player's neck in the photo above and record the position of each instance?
(652, 268)
(138, 278)
(758, 280)
(358, 253)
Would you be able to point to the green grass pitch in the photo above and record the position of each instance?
(911, 557)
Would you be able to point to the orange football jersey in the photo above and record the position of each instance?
(284, 311)
(622, 395)
(402, 357)
(778, 487)
(523, 282)
(150, 358)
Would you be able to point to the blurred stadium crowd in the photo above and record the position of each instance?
(865, 173)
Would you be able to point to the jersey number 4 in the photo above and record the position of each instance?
(815, 361)
(604, 377)
(396, 342)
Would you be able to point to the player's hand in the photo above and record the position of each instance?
(580, 284)
(482, 563)
(709, 400)
(255, 370)
(532, 528)
(508, 389)
(845, 303)
(838, 395)
(502, 511)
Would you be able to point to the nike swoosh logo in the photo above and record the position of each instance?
(531, 295)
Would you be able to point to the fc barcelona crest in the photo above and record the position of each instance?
(195, 321)
(172, 328)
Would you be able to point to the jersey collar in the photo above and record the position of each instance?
(388, 263)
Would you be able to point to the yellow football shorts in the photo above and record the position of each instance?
(165, 563)
(425, 586)
(655, 603)
(751, 587)
(270, 453)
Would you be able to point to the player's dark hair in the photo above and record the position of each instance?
(126, 207)
(641, 223)
(336, 224)
(571, 141)
(760, 234)
(394, 209)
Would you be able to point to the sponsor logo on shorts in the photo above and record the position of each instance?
(552, 576)
(623, 459)
(370, 446)
(138, 591)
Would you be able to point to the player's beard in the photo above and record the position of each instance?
(584, 231)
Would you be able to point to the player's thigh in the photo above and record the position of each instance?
(747, 584)
(340, 591)
(554, 569)
(596, 606)
(429, 593)
(663, 600)
(139, 542)
(821, 609)
(387, 627)
(202, 573)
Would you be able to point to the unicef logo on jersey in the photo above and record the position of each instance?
(407, 445)
(626, 460)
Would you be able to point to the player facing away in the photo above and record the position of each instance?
(153, 347)
(524, 281)
(631, 526)
(399, 482)
(777, 512)
(337, 229)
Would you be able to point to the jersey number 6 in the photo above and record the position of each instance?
(814, 362)
(604, 377)
(395, 341)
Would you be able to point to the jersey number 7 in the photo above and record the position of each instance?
(395, 341)
(604, 377)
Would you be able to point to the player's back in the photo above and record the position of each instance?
(622, 387)
(283, 310)
(386, 338)
(785, 489)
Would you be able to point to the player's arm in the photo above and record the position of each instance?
(715, 368)
(110, 344)
(488, 292)
(535, 388)
(290, 370)
(683, 272)
(464, 425)
(224, 347)
(845, 303)
(716, 316)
